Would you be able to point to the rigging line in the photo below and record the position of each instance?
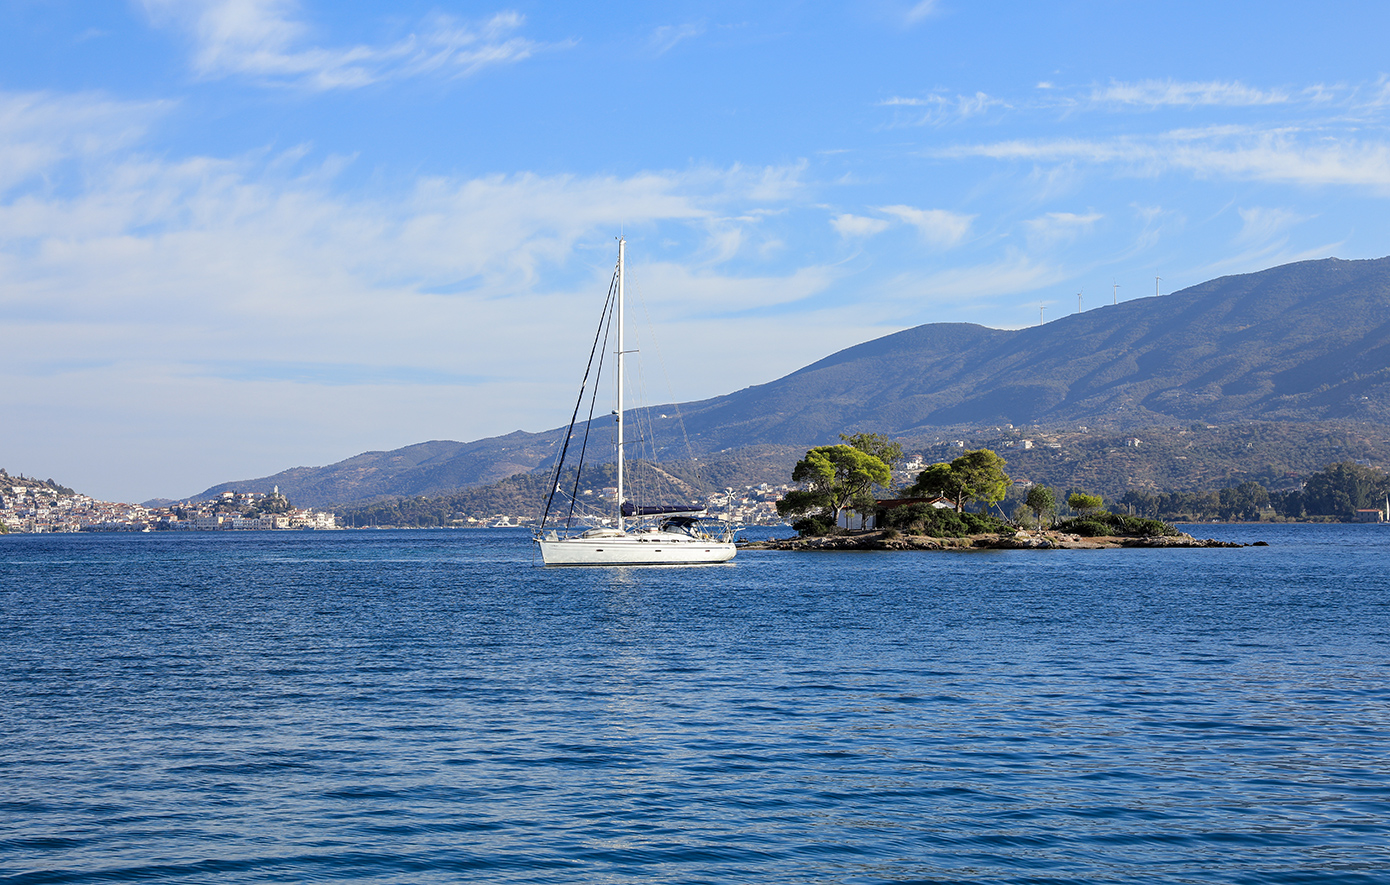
(593, 399)
(651, 475)
(696, 481)
(637, 476)
(569, 433)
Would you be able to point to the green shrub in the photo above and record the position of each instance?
(924, 519)
(1097, 524)
(1086, 528)
(813, 526)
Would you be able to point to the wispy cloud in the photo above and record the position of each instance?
(938, 227)
(1174, 93)
(1256, 258)
(239, 256)
(39, 131)
(666, 37)
(1261, 225)
(720, 293)
(943, 106)
(223, 287)
(847, 225)
(1285, 155)
(267, 41)
(921, 10)
(938, 108)
(1058, 227)
(1013, 274)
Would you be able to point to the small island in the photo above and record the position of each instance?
(890, 539)
(930, 514)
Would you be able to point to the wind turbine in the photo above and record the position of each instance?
(1078, 302)
(1156, 279)
(1041, 308)
(1115, 294)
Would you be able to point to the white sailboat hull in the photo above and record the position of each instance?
(637, 548)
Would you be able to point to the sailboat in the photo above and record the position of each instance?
(637, 535)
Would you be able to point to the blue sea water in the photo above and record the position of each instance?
(421, 707)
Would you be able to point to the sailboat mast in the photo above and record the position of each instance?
(622, 247)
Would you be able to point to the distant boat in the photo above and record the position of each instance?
(656, 535)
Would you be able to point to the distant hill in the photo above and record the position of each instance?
(1305, 342)
(422, 469)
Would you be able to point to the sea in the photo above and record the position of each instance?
(435, 706)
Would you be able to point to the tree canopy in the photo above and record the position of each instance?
(975, 476)
(1040, 500)
(878, 445)
(1343, 488)
(832, 477)
(1083, 502)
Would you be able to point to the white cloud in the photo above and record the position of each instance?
(253, 291)
(847, 225)
(266, 41)
(938, 227)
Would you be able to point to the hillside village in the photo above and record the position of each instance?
(30, 506)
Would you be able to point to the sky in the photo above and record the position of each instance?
(240, 236)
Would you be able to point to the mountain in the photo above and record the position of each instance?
(1305, 342)
(1302, 342)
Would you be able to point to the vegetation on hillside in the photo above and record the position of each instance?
(272, 504)
(1192, 458)
(20, 479)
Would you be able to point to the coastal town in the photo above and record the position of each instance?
(30, 506)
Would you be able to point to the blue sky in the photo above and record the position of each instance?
(238, 236)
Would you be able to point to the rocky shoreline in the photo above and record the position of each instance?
(1021, 540)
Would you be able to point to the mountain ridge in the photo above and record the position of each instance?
(1303, 342)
